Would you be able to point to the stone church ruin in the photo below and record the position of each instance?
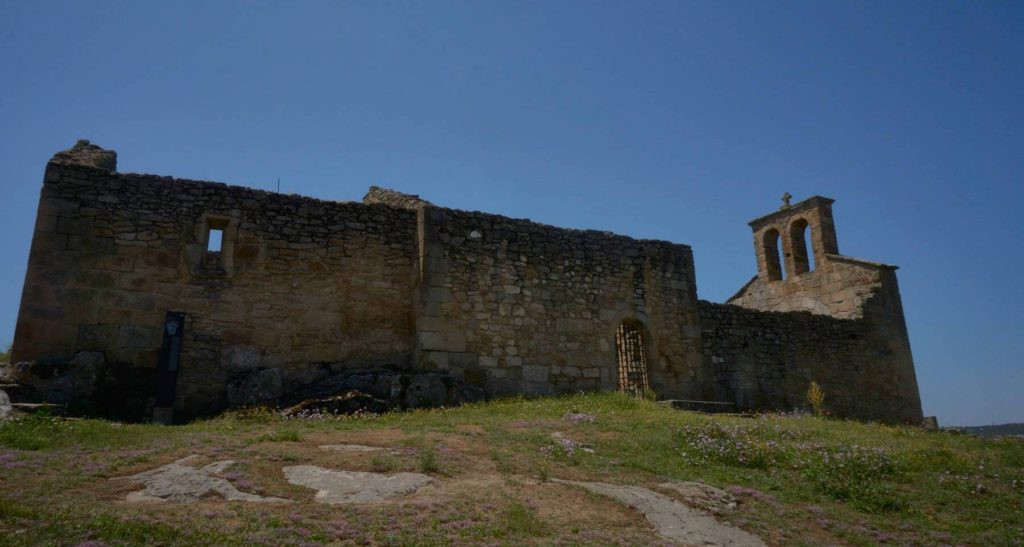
(146, 294)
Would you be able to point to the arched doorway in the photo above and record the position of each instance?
(630, 345)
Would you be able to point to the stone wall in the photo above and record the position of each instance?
(766, 361)
(301, 292)
(874, 364)
(517, 306)
(300, 285)
(386, 196)
(838, 287)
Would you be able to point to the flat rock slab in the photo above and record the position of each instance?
(351, 448)
(702, 496)
(672, 519)
(334, 486)
(5, 405)
(180, 483)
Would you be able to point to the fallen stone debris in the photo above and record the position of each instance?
(579, 418)
(566, 444)
(350, 402)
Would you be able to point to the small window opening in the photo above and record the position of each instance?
(214, 239)
(798, 234)
(629, 341)
(213, 235)
(772, 256)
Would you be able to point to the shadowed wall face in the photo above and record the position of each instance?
(766, 361)
(299, 285)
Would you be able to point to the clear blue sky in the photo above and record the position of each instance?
(672, 120)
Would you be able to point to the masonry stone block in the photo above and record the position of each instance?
(132, 336)
(240, 357)
(254, 387)
(435, 360)
(455, 341)
(535, 373)
(431, 341)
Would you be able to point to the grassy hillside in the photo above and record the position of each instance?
(799, 480)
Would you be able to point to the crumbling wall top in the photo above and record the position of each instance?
(387, 196)
(88, 154)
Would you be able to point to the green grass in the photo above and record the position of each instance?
(285, 436)
(522, 520)
(428, 460)
(38, 432)
(849, 482)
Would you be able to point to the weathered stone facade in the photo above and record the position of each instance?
(298, 291)
(856, 345)
(523, 307)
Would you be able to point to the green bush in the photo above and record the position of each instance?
(428, 460)
(5, 356)
(816, 397)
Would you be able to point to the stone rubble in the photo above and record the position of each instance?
(568, 445)
(579, 418)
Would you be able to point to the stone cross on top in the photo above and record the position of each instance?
(785, 200)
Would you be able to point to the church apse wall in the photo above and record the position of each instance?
(844, 328)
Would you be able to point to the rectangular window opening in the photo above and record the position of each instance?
(214, 240)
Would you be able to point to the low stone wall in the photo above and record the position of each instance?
(766, 361)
